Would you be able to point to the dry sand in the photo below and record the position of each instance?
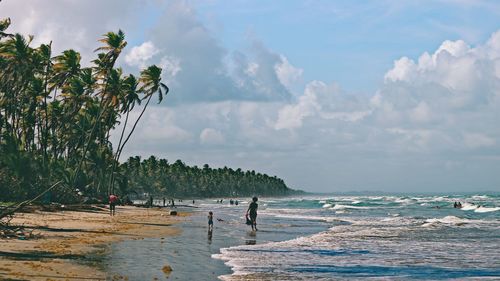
(72, 243)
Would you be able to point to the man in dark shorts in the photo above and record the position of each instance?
(113, 199)
(252, 210)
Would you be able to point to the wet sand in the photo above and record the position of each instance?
(73, 244)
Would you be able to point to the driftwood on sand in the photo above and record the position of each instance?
(6, 229)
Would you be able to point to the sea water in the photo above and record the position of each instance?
(330, 238)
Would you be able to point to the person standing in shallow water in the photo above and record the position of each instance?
(210, 221)
(252, 211)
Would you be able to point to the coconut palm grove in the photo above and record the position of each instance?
(56, 118)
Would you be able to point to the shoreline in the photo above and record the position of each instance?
(72, 245)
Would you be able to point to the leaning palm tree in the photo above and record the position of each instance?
(130, 99)
(65, 66)
(114, 43)
(151, 84)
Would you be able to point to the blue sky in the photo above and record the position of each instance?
(351, 42)
(328, 95)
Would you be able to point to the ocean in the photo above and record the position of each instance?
(327, 238)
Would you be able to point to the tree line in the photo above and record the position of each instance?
(159, 177)
(56, 117)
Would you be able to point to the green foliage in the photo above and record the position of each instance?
(157, 176)
(56, 116)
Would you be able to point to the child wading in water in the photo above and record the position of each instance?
(252, 210)
(210, 221)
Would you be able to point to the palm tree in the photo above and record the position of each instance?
(151, 84)
(114, 43)
(130, 99)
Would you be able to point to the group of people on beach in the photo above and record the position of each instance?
(114, 200)
(250, 216)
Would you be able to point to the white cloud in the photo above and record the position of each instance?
(73, 24)
(211, 136)
(421, 113)
(403, 68)
(140, 55)
(291, 116)
(322, 101)
(171, 66)
(287, 73)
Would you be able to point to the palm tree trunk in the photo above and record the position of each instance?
(120, 149)
(87, 145)
(112, 179)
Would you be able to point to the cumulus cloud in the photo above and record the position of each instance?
(139, 55)
(324, 102)
(291, 116)
(436, 111)
(200, 69)
(287, 73)
(424, 118)
(401, 71)
(72, 24)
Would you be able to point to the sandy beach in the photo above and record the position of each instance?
(71, 244)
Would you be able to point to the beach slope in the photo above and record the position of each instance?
(71, 244)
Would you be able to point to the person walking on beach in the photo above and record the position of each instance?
(252, 210)
(113, 199)
(210, 221)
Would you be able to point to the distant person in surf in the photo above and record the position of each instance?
(113, 200)
(252, 211)
(210, 221)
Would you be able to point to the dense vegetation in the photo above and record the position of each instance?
(157, 176)
(56, 117)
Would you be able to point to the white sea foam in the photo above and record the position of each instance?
(486, 209)
(449, 220)
(403, 200)
(341, 207)
(468, 207)
(480, 197)
(327, 205)
(441, 198)
(302, 214)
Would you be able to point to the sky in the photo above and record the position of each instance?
(328, 95)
